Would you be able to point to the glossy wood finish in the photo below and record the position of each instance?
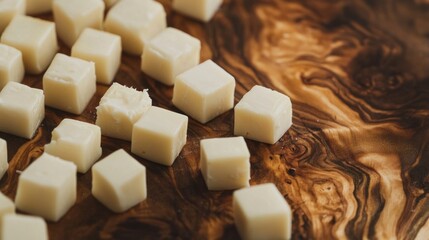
(355, 164)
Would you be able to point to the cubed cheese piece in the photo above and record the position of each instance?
(18, 226)
(69, 83)
(6, 206)
(159, 135)
(4, 165)
(136, 21)
(8, 10)
(35, 7)
(225, 163)
(202, 10)
(11, 65)
(22, 109)
(119, 109)
(102, 48)
(35, 38)
(261, 212)
(263, 115)
(119, 181)
(73, 16)
(47, 187)
(204, 92)
(76, 141)
(110, 3)
(170, 53)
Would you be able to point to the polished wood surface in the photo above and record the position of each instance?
(355, 163)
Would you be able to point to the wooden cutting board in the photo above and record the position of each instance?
(355, 162)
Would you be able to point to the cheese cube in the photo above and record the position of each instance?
(73, 16)
(136, 21)
(6, 206)
(35, 38)
(204, 92)
(119, 181)
(103, 48)
(110, 3)
(35, 7)
(47, 187)
(202, 10)
(4, 165)
(22, 109)
(11, 65)
(159, 135)
(263, 115)
(170, 53)
(119, 109)
(69, 83)
(76, 141)
(225, 163)
(261, 212)
(8, 10)
(23, 227)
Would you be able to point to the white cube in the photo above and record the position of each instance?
(69, 83)
(119, 109)
(16, 226)
(225, 163)
(102, 48)
(47, 187)
(204, 91)
(170, 53)
(76, 141)
(263, 115)
(11, 65)
(35, 38)
(136, 21)
(73, 16)
(202, 10)
(4, 165)
(119, 181)
(22, 109)
(261, 212)
(6, 206)
(159, 135)
(8, 10)
(35, 7)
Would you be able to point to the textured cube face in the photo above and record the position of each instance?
(261, 212)
(22, 109)
(35, 7)
(6, 205)
(8, 10)
(47, 187)
(102, 48)
(225, 163)
(263, 115)
(136, 22)
(16, 226)
(202, 10)
(35, 38)
(119, 181)
(170, 53)
(159, 135)
(119, 109)
(204, 91)
(76, 141)
(4, 165)
(72, 17)
(11, 65)
(69, 83)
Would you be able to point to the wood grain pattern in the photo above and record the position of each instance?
(355, 163)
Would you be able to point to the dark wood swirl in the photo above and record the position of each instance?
(355, 163)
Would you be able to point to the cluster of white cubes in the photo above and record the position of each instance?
(35, 38)
(22, 109)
